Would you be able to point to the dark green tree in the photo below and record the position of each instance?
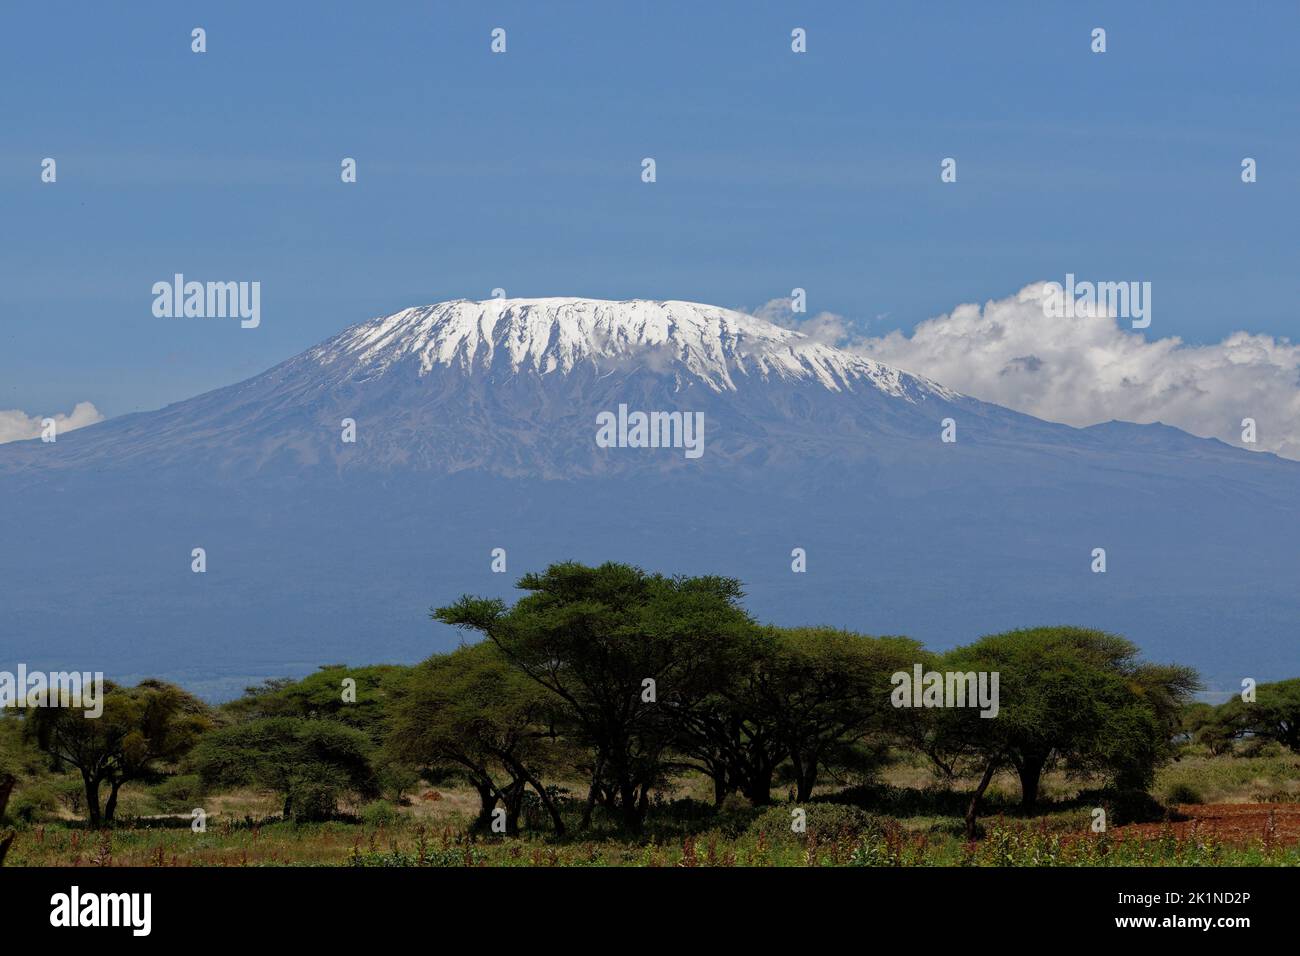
(1274, 714)
(726, 732)
(1201, 724)
(622, 651)
(356, 696)
(824, 690)
(142, 730)
(1070, 696)
(476, 713)
(310, 763)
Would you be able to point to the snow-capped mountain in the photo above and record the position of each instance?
(513, 387)
(697, 343)
(476, 427)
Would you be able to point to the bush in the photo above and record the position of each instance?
(72, 793)
(34, 802)
(314, 801)
(179, 794)
(380, 813)
(1124, 806)
(829, 821)
(688, 809)
(395, 780)
(1183, 793)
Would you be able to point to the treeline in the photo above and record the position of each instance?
(625, 681)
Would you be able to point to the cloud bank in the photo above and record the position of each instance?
(16, 425)
(1086, 370)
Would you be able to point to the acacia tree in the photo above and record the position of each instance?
(726, 733)
(359, 697)
(141, 729)
(321, 695)
(1274, 714)
(824, 690)
(1202, 724)
(1068, 695)
(622, 651)
(309, 763)
(476, 712)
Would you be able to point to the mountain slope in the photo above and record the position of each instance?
(510, 387)
(476, 428)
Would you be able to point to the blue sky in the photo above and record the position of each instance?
(522, 170)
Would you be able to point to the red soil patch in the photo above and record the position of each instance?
(1234, 823)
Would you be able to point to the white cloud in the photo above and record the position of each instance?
(825, 327)
(16, 425)
(1082, 371)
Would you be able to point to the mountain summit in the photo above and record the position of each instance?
(514, 386)
(696, 343)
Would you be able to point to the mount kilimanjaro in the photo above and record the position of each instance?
(475, 428)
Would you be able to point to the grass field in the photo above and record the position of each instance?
(1223, 811)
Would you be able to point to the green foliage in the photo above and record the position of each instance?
(19, 760)
(380, 813)
(822, 690)
(473, 711)
(1125, 805)
(594, 636)
(1201, 726)
(626, 680)
(141, 730)
(1068, 695)
(178, 794)
(322, 695)
(1273, 715)
(824, 822)
(34, 802)
(310, 763)
(1183, 793)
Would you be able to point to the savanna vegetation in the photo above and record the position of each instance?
(616, 717)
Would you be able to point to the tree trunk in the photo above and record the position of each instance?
(513, 798)
(487, 803)
(549, 802)
(759, 787)
(7, 782)
(5, 841)
(288, 806)
(532, 780)
(110, 807)
(631, 806)
(593, 792)
(719, 775)
(975, 798)
(92, 800)
(1031, 772)
(805, 780)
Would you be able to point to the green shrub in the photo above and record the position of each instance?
(1125, 806)
(179, 794)
(314, 800)
(71, 791)
(34, 802)
(1183, 793)
(380, 813)
(829, 821)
